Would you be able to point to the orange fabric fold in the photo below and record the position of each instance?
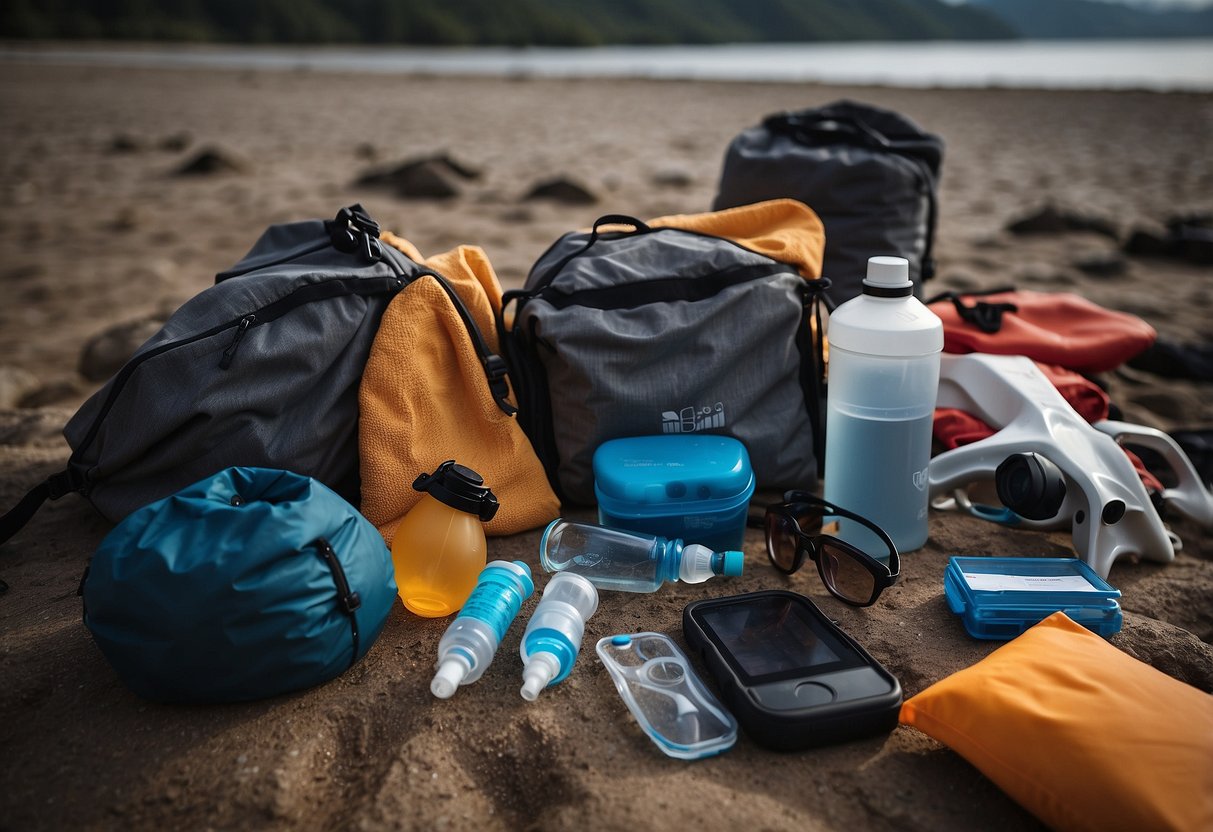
(782, 229)
(424, 399)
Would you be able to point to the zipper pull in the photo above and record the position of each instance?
(230, 352)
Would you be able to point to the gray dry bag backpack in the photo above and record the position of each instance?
(869, 174)
(260, 370)
(664, 330)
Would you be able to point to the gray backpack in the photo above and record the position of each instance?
(869, 174)
(662, 330)
(260, 370)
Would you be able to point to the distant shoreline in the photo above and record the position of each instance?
(1161, 65)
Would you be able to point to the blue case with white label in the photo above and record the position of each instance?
(999, 598)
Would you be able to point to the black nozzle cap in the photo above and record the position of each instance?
(460, 488)
(1030, 485)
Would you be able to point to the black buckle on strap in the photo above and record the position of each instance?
(497, 372)
(354, 232)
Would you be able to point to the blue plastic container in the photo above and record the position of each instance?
(693, 487)
(999, 598)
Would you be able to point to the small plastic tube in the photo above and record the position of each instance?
(553, 635)
(468, 645)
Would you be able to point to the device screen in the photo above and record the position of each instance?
(775, 636)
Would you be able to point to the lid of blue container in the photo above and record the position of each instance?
(673, 469)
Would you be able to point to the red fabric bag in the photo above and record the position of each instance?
(1054, 328)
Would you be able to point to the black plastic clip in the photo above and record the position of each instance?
(497, 372)
(354, 232)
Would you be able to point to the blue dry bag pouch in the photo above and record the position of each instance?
(249, 583)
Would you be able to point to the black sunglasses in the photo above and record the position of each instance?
(794, 529)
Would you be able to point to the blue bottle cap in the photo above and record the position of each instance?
(621, 641)
(733, 563)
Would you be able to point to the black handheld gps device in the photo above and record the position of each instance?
(791, 677)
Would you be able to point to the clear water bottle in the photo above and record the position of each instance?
(468, 645)
(629, 561)
(884, 376)
(553, 635)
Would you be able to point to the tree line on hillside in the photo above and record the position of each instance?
(585, 22)
(495, 23)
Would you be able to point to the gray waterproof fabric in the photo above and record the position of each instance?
(260, 370)
(663, 331)
(869, 174)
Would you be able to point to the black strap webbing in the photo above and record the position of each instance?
(54, 487)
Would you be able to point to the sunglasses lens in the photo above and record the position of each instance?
(808, 517)
(781, 541)
(844, 575)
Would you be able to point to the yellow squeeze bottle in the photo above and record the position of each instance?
(439, 548)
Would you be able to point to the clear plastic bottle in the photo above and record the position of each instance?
(553, 635)
(884, 377)
(468, 645)
(439, 547)
(629, 561)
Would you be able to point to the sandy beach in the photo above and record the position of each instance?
(96, 230)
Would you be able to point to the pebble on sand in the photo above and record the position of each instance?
(1052, 219)
(211, 161)
(426, 177)
(106, 352)
(562, 190)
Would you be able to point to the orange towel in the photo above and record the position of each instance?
(424, 399)
(782, 229)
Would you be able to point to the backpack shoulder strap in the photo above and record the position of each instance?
(54, 487)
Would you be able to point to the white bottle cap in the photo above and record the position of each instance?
(451, 674)
(888, 277)
(696, 565)
(885, 319)
(541, 668)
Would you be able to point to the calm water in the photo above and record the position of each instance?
(1158, 64)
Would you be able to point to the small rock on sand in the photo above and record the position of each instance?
(211, 161)
(1054, 220)
(562, 190)
(427, 177)
(105, 353)
(15, 385)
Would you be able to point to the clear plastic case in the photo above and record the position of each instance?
(665, 695)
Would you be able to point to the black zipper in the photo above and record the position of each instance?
(255, 266)
(229, 352)
(664, 290)
(347, 599)
(303, 295)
